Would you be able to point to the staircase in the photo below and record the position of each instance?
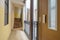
(17, 23)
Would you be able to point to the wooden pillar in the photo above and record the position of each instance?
(31, 19)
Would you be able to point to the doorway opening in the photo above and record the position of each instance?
(17, 18)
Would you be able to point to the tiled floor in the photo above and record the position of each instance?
(18, 35)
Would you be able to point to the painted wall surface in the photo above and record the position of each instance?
(5, 30)
(17, 12)
(11, 15)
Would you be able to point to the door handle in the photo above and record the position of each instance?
(44, 19)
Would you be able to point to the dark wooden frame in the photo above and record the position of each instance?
(5, 23)
(38, 20)
(39, 23)
(31, 20)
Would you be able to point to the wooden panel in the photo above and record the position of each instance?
(17, 23)
(39, 17)
(43, 31)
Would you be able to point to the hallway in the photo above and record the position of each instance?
(17, 35)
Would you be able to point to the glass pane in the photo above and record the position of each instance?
(35, 5)
(52, 15)
(26, 13)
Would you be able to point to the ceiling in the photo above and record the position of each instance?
(18, 3)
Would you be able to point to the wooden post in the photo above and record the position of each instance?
(31, 19)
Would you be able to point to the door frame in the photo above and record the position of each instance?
(39, 27)
(31, 19)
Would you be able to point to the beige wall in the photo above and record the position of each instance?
(11, 15)
(5, 30)
(17, 12)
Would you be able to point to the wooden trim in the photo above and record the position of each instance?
(31, 19)
(38, 22)
(6, 21)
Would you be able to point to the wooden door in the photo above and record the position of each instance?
(44, 33)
